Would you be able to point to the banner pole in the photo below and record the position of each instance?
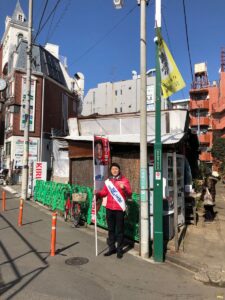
(94, 199)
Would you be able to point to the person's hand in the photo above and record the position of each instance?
(122, 186)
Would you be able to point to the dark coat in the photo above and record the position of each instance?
(210, 183)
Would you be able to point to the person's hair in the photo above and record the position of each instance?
(115, 165)
(98, 142)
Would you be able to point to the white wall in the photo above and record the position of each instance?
(118, 97)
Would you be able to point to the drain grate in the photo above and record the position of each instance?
(76, 261)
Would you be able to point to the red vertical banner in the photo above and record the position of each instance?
(101, 160)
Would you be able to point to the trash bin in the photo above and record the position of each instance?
(168, 219)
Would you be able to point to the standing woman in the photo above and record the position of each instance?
(117, 189)
(210, 187)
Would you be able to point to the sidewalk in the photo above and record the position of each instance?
(203, 248)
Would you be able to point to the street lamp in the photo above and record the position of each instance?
(144, 211)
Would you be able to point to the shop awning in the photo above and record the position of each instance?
(167, 139)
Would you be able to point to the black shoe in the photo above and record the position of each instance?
(119, 255)
(110, 252)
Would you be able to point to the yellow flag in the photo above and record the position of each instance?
(171, 79)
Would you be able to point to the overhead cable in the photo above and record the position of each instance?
(187, 38)
(88, 50)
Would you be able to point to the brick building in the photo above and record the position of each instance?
(55, 96)
(207, 108)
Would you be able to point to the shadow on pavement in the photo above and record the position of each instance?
(32, 222)
(4, 287)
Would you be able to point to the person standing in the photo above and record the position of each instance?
(117, 189)
(210, 187)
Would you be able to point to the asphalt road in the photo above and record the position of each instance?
(27, 271)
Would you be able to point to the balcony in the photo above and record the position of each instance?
(199, 104)
(203, 121)
(205, 156)
(204, 138)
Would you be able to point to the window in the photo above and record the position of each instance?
(93, 98)
(20, 18)
(121, 110)
(19, 38)
(8, 148)
(116, 110)
(121, 92)
(116, 92)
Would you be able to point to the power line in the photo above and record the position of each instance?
(50, 27)
(39, 26)
(105, 36)
(187, 38)
(50, 33)
(48, 18)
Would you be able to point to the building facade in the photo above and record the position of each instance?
(54, 95)
(207, 108)
(120, 97)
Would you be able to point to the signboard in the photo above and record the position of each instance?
(150, 93)
(19, 148)
(40, 170)
(32, 104)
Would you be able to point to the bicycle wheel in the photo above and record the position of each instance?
(76, 214)
(65, 215)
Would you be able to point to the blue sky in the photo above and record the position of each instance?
(103, 43)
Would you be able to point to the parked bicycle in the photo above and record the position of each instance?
(72, 209)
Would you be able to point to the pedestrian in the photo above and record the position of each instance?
(209, 195)
(117, 189)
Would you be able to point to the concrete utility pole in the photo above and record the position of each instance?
(144, 210)
(25, 172)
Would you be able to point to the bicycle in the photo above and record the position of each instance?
(73, 207)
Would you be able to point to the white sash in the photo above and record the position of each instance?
(115, 194)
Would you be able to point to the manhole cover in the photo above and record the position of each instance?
(77, 261)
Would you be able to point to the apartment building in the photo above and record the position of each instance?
(207, 108)
(121, 96)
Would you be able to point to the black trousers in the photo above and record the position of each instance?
(115, 221)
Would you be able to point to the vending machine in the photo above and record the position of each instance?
(168, 184)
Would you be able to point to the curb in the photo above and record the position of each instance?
(180, 263)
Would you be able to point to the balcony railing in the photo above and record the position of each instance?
(199, 104)
(205, 156)
(202, 121)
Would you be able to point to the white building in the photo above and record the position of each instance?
(120, 97)
(180, 104)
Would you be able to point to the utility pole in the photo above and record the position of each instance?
(25, 172)
(144, 210)
(158, 196)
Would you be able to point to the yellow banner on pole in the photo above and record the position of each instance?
(171, 79)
